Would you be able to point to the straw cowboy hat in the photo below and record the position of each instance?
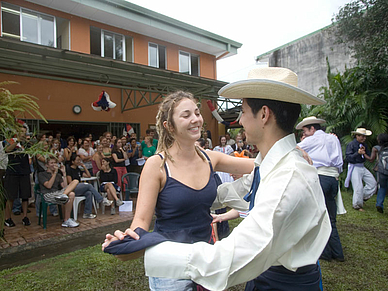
(271, 83)
(362, 131)
(309, 120)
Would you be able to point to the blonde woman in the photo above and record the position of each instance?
(178, 183)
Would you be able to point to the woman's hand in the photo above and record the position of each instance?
(119, 235)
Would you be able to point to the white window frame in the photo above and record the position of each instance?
(157, 55)
(190, 54)
(21, 10)
(114, 44)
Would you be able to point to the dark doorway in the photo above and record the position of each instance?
(78, 130)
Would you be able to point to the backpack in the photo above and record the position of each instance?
(383, 160)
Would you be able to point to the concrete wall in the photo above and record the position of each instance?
(307, 58)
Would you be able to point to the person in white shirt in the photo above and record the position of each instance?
(325, 151)
(277, 246)
(86, 153)
(229, 141)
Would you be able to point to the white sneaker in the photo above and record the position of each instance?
(113, 211)
(119, 202)
(107, 202)
(70, 223)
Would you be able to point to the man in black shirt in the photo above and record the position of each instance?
(356, 153)
(17, 182)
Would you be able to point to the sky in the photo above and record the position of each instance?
(260, 26)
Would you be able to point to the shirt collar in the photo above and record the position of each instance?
(280, 149)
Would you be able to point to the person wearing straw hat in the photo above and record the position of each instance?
(278, 245)
(325, 151)
(356, 154)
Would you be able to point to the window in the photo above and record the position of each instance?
(108, 44)
(157, 56)
(188, 63)
(28, 25)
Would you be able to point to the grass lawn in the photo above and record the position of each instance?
(364, 237)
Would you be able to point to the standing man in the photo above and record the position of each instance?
(356, 153)
(17, 182)
(326, 153)
(277, 246)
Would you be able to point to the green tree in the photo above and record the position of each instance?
(363, 26)
(353, 100)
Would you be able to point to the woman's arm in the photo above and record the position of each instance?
(97, 159)
(229, 164)
(151, 181)
(86, 173)
(116, 159)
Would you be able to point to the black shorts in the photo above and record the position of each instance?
(17, 187)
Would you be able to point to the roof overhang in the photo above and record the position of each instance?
(26, 59)
(131, 17)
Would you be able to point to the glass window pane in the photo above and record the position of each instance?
(108, 44)
(30, 26)
(184, 63)
(119, 47)
(95, 41)
(194, 65)
(162, 57)
(10, 21)
(47, 32)
(153, 55)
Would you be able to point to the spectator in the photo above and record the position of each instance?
(119, 156)
(97, 159)
(134, 153)
(56, 150)
(206, 138)
(17, 182)
(149, 150)
(86, 153)
(52, 180)
(382, 170)
(58, 135)
(69, 150)
(109, 179)
(229, 141)
(75, 171)
(151, 133)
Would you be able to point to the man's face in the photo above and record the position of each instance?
(52, 164)
(249, 122)
(86, 144)
(360, 138)
(308, 132)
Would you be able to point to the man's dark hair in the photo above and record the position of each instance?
(286, 114)
(383, 140)
(315, 125)
(148, 131)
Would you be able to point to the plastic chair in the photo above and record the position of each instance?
(130, 182)
(76, 205)
(43, 207)
(103, 193)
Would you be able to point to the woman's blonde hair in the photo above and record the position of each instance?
(165, 113)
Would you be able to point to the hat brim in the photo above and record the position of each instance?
(308, 122)
(268, 89)
(367, 133)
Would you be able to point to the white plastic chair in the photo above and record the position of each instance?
(76, 203)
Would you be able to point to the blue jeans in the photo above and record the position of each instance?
(87, 190)
(383, 183)
(163, 284)
(333, 249)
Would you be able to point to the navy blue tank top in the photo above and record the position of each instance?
(183, 213)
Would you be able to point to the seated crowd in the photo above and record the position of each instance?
(62, 163)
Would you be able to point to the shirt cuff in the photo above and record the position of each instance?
(168, 259)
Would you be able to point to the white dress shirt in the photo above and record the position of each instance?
(325, 151)
(288, 226)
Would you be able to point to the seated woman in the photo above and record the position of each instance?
(108, 178)
(73, 172)
(106, 149)
(53, 179)
(97, 159)
(69, 150)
